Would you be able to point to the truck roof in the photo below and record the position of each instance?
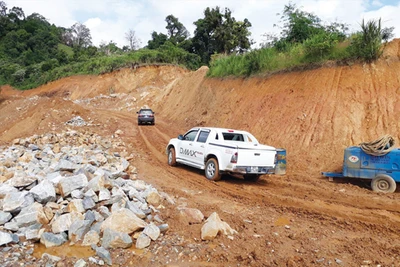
(219, 129)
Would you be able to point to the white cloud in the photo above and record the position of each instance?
(111, 19)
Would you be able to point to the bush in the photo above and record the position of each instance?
(319, 46)
(367, 44)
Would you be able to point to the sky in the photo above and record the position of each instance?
(110, 20)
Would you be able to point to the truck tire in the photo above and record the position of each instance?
(212, 170)
(251, 177)
(171, 157)
(383, 183)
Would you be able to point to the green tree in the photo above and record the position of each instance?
(16, 14)
(110, 48)
(158, 39)
(220, 33)
(177, 33)
(298, 26)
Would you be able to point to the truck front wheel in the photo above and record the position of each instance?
(383, 183)
(171, 157)
(212, 170)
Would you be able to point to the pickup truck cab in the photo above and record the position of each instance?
(219, 151)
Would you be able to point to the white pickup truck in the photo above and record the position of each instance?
(219, 151)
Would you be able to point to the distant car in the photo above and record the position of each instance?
(146, 115)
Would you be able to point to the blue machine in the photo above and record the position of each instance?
(383, 171)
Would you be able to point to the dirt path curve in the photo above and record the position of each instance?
(343, 213)
(306, 194)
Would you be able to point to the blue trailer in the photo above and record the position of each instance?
(383, 171)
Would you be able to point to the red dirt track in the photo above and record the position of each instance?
(299, 219)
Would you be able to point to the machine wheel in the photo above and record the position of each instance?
(251, 177)
(383, 183)
(212, 170)
(171, 157)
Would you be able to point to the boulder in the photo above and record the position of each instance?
(192, 215)
(53, 240)
(152, 231)
(113, 239)
(66, 165)
(124, 221)
(143, 241)
(78, 229)
(103, 254)
(20, 179)
(153, 198)
(4, 217)
(90, 238)
(6, 238)
(15, 201)
(44, 192)
(70, 183)
(5, 189)
(213, 226)
(76, 205)
(30, 215)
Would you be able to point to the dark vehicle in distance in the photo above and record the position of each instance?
(146, 115)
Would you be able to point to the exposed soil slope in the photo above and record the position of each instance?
(314, 114)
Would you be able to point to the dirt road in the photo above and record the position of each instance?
(295, 219)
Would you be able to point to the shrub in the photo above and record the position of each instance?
(319, 46)
(367, 44)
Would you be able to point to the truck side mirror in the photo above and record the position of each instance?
(180, 137)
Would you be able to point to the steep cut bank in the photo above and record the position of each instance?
(314, 114)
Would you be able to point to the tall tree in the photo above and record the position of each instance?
(177, 33)
(220, 33)
(16, 14)
(79, 34)
(132, 39)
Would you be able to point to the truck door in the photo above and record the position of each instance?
(200, 147)
(186, 151)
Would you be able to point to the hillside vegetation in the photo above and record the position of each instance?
(34, 52)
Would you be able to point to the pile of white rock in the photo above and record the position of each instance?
(69, 187)
(76, 121)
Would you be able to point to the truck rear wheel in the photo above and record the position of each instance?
(212, 170)
(171, 157)
(383, 183)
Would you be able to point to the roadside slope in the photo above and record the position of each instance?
(314, 114)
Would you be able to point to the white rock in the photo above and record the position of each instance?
(143, 241)
(124, 221)
(152, 231)
(213, 226)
